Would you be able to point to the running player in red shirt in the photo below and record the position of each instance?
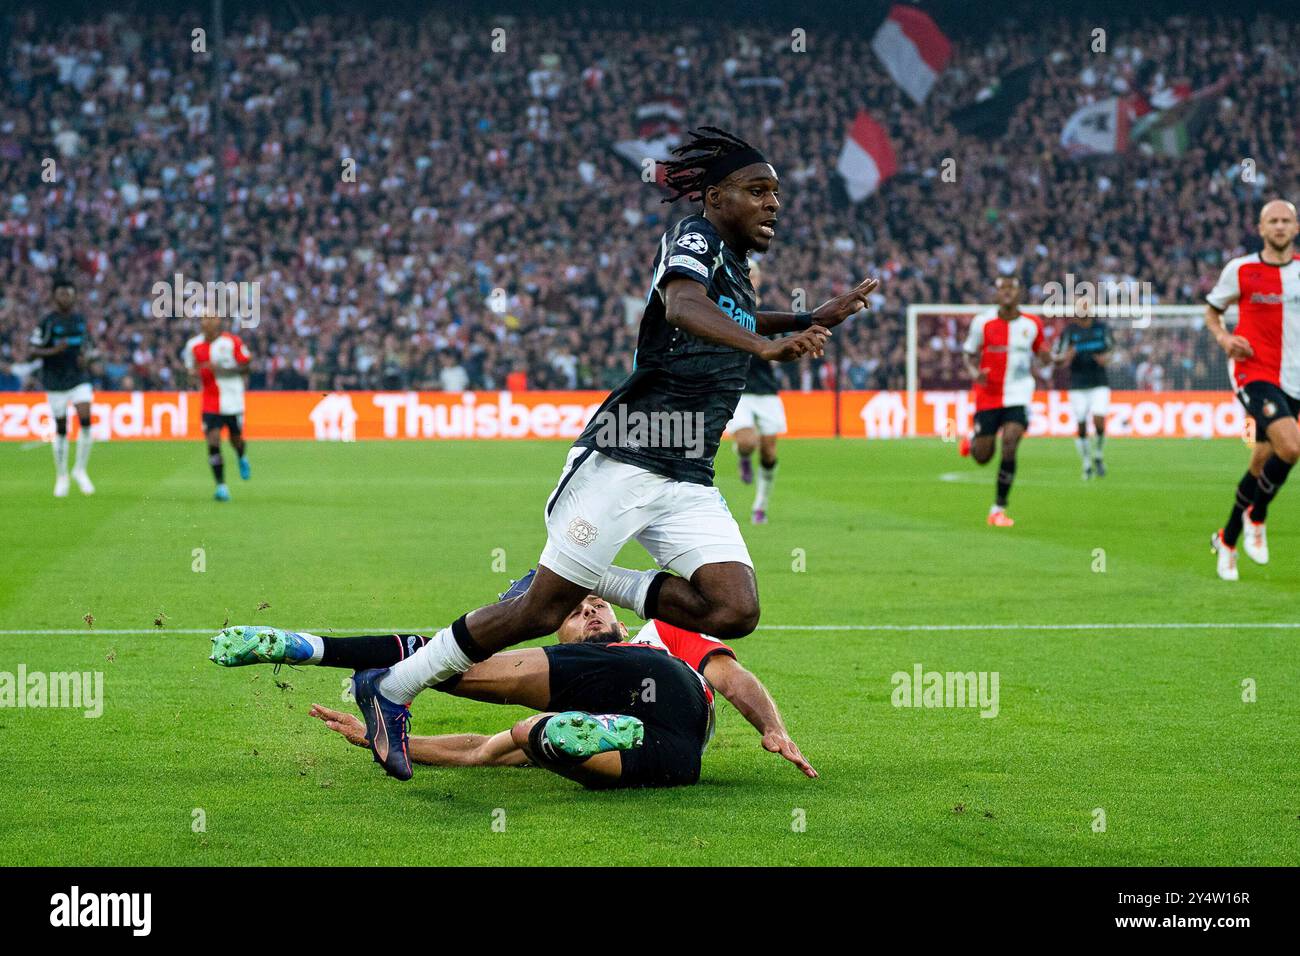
(222, 362)
(1264, 363)
(617, 711)
(999, 355)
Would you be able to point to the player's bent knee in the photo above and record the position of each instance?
(734, 621)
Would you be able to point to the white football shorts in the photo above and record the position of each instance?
(1087, 403)
(59, 401)
(763, 413)
(600, 504)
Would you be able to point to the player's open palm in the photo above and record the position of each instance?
(350, 727)
(778, 743)
(834, 311)
(810, 341)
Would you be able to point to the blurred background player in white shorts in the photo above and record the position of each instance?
(1084, 345)
(61, 343)
(759, 418)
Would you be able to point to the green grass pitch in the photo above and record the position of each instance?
(1147, 723)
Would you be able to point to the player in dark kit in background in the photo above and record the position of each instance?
(643, 467)
(62, 345)
(759, 418)
(1084, 345)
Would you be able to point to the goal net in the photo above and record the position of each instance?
(1161, 348)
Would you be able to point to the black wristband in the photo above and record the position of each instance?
(803, 320)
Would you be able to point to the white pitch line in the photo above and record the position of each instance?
(1124, 626)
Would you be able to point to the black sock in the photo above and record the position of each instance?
(1271, 479)
(1245, 495)
(218, 466)
(467, 644)
(363, 653)
(1006, 475)
(652, 595)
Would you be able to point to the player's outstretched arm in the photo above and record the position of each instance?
(447, 750)
(748, 695)
(688, 307)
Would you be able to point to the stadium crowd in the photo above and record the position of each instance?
(491, 235)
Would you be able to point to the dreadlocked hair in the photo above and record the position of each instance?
(687, 174)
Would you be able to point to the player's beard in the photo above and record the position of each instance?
(612, 636)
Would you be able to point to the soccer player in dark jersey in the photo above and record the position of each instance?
(62, 345)
(1264, 365)
(1084, 345)
(643, 467)
(759, 418)
(618, 710)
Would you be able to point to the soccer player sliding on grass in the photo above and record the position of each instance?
(617, 712)
(643, 467)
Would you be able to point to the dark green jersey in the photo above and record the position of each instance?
(1088, 342)
(762, 377)
(64, 370)
(668, 415)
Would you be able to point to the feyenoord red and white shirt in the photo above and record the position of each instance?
(1006, 352)
(690, 646)
(222, 395)
(1268, 316)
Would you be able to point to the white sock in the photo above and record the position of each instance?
(84, 441)
(1082, 445)
(317, 647)
(1096, 445)
(625, 588)
(766, 476)
(432, 664)
(61, 455)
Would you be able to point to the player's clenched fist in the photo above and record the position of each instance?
(811, 341)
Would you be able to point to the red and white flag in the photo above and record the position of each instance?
(913, 49)
(867, 158)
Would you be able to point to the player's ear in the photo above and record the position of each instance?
(622, 630)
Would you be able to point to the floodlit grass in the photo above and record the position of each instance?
(1147, 723)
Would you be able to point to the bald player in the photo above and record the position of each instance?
(1264, 365)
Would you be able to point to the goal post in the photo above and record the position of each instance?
(1157, 347)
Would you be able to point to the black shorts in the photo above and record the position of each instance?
(642, 682)
(990, 420)
(1267, 403)
(211, 420)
